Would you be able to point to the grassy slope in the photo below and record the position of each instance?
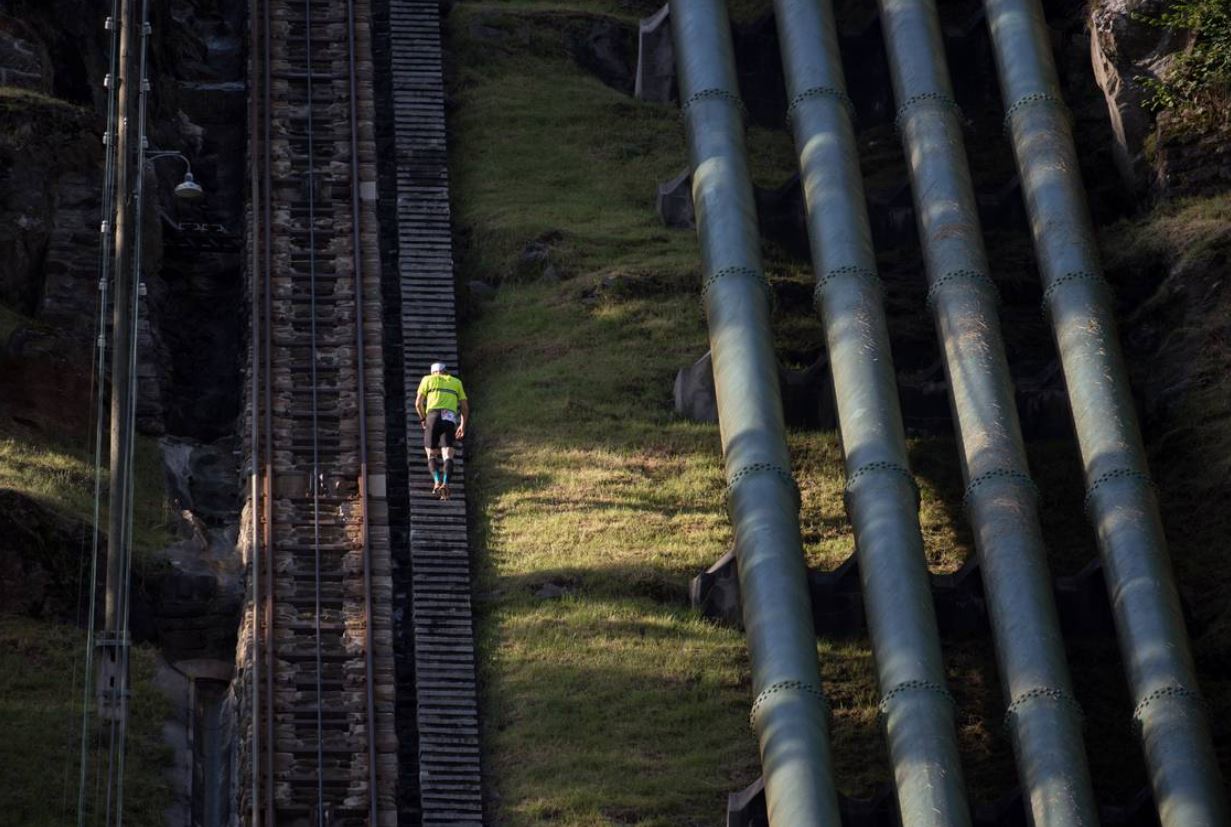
(615, 704)
(40, 716)
(58, 472)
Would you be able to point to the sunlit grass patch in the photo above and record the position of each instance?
(58, 472)
(607, 700)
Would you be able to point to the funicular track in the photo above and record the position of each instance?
(318, 686)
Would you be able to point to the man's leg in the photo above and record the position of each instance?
(433, 465)
(448, 467)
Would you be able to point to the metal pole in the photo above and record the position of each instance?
(881, 497)
(790, 712)
(112, 682)
(1120, 496)
(1043, 715)
(100, 375)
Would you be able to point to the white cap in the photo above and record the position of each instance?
(439, 367)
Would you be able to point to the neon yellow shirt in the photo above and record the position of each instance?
(443, 392)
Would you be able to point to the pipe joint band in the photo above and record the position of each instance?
(1077, 276)
(800, 687)
(933, 99)
(714, 94)
(882, 708)
(1173, 691)
(762, 468)
(1112, 476)
(877, 468)
(994, 475)
(865, 273)
(975, 277)
(1061, 697)
(743, 272)
(1033, 99)
(820, 92)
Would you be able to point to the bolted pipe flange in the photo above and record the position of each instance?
(978, 279)
(998, 474)
(876, 468)
(801, 687)
(1072, 278)
(1033, 99)
(925, 99)
(714, 94)
(762, 468)
(1173, 691)
(1112, 476)
(746, 272)
(1060, 696)
(866, 273)
(820, 92)
(882, 708)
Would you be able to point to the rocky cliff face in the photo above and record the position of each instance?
(1124, 51)
(50, 179)
(53, 58)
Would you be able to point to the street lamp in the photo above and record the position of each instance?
(188, 189)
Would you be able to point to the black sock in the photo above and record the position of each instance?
(448, 470)
(433, 465)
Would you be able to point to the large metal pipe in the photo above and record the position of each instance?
(882, 499)
(1121, 500)
(1043, 716)
(790, 712)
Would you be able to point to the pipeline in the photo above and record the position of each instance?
(881, 494)
(1120, 496)
(1043, 716)
(790, 711)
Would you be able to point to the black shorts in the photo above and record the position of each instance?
(438, 432)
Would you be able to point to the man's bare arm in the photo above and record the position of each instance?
(461, 426)
(420, 406)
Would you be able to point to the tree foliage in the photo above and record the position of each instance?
(1198, 85)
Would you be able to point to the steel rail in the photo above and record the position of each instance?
(268, 414)
(881, 495)
(254, 133)
(357, 258)
(1043, 716)
(790, 713)
(313, 355)
(1121, 499)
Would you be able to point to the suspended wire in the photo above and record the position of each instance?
(316, 480)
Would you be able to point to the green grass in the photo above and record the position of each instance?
(40, 716)
(58, 472)
(607, 700)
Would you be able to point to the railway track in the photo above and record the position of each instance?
(323, 695)
(320, 683)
